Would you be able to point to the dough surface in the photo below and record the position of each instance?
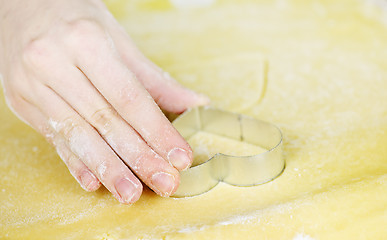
(326, 90)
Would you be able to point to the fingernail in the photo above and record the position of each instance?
(179, 158)
(89, 181)
(126, 189)
(203, 99)
(164, 182)
(199, 99)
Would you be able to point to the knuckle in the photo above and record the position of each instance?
(37, 52)
(102, 120)
(103, 171)
(83, 32)
(67, 128)
(128, 95)
(84, 25)
(50, 137)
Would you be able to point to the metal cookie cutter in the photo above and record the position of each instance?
(234, 170)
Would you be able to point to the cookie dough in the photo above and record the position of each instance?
(326, 90)
(205, 145)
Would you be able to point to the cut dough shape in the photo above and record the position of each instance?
(327, 93)
(205, 145)
(245, 72)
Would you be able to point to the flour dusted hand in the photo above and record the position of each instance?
(72, 73)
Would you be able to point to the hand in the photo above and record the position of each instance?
(73, 74)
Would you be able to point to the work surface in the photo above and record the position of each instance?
(326, 89)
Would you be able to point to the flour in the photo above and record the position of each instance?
(187, 4)
(192, 229)
(240, 219)
(78, 139)
(101, 169)
(251, 218)
(53, 124)
(111, 43)
(301, 236)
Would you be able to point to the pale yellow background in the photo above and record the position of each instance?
(327, 82)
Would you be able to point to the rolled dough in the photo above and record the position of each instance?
(327, 81)
(205, 145)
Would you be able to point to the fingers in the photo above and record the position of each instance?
(133, 103)
(152, 169)
(168, 94)
(88, 146)
(37, 120)
(77, 168)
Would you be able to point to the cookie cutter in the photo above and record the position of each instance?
(234, 170)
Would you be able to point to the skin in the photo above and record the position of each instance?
(72, 73)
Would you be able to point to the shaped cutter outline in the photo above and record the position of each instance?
(234, 170)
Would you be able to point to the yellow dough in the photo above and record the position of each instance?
(326, 89)
(205, 145)
(248, 70)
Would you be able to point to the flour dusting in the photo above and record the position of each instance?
(186, 4)
(240, 219)
(78, 139)
(101, 169)
(301, 236)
